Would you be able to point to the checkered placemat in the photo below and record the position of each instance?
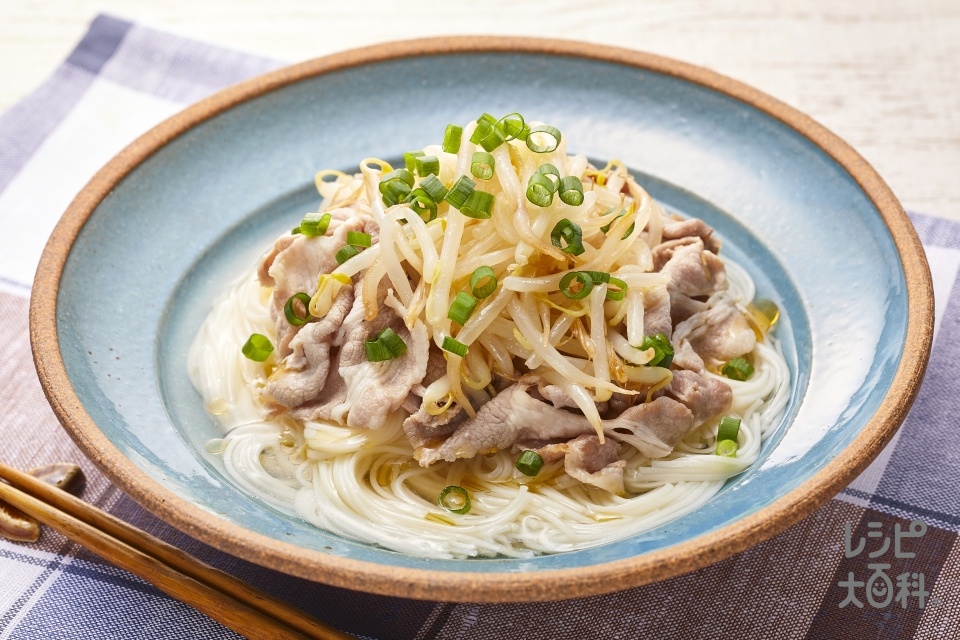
(844, 572)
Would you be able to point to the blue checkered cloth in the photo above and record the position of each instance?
(122, 79)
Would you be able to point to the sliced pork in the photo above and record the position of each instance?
(302, 375)
(676, 228)
(588, 461)
(719, 333)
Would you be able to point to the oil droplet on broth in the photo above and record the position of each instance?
(216, 446)
(217, 406)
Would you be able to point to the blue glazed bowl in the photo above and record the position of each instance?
(132, 268)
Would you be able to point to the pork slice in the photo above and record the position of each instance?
(656, 313)
(590, 462)
(653, 428)
(422, 428)
(302, 375)
(295, 262)
(706, 398)
(375, 389)
(512, 415)
(694, 273)
(676, 228)
(686, 358)
(718, 333)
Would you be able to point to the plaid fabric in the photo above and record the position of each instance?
(817, 580)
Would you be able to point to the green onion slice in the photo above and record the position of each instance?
(394, 191)
(483, 282)
(422, 204)
(571, 235)
(314, 224)
(616, 289)
(434, 188)
(599, 276)
(492, 140)
(428, 165)
(571, 190)
(410, 159)
(358, 238)
(511, 126)
(454, 499)
(346, 252)
(530, 463)
(663, 350)
(398, 174)
(729, 429)
(451, 138)
(478, 205)
(386, 346)
(454, 346)
(482, 131)
(460, 191)
(727, 448)
(290, 311)
(574, 279)
(257, 348)
(461, 308)
(551, 172)
(295, 231)
(543, 139)
(737, 369)
(482, 165)
(540, 190)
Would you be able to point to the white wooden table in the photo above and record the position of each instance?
(883, 74)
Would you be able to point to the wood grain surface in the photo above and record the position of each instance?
(882, 74)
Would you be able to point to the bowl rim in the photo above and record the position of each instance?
(555, 584)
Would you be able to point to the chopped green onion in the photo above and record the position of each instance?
(428, 165)
(663, 350)
(511, 126)
(410, 159)
(451, 138)
(454, 499)
(571, 190)
(346, 252)
(551, 172)
(257, 348)
(552, 141)
(619, 291)
(530, 463)
(358, 238)
(398, 174)
(571, 235)
(599, 276)
(582, 278)
(395, 191)
(482, 165)
(737, 369)
(727, 448)
(386, 346)
(487, 118)
(460, 191)
(422, 204)
(478, 205)
(314, 224)
(482, 131)
(483, 282)
(295, 230)
(540, 190)
(290, 312)
(492, 140)
(729, 428)
(454, 346)
(434, 188)
(461, 308)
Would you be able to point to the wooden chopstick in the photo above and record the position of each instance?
(229, 601)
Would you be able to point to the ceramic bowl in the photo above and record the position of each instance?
(132, 268)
